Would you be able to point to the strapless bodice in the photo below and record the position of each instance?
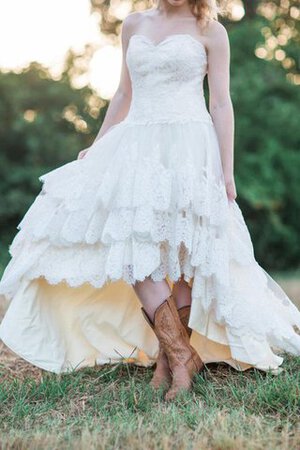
(167, 79)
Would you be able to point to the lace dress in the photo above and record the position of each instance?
(147, 200)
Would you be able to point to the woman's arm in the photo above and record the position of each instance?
(120, 103)
(220, 104)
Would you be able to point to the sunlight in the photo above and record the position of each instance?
(105, 69)
(238, 12)
(32, 31)
(35, 30)
(235, 10)
(120, 8)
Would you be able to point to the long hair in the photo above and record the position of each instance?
(205, 9)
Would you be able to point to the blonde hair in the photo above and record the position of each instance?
(205, 9)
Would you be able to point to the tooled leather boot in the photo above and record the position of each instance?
(162, 375)
(184, 314)
(184, 361)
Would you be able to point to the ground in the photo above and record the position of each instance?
(113, 407)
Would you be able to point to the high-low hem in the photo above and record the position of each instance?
(148, 199)
(67, 329)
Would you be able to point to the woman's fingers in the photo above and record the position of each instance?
(82, 154)
(231, 190)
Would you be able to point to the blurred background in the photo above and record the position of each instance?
(60, 64)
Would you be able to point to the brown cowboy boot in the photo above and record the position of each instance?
(184, 361)
(184, 314)
(162, 375)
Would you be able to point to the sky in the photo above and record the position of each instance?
(43, 31)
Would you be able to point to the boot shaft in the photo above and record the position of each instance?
(170, 331)
(184, 314)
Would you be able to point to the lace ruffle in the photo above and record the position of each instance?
(130, 210)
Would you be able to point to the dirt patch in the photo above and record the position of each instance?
(12, 366)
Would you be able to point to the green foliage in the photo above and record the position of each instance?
(43, 124)
(267, 156)
(281, 33)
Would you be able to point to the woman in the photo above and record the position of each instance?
(146, 220)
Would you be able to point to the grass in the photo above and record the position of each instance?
(113, 407)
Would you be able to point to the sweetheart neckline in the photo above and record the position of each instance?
(170, 36)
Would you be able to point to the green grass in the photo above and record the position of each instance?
(112, 407)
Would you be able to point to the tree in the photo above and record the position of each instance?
(267, 156)
(44, 123)
(250, 8)
(281, 35)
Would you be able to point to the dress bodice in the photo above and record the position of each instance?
(167, 79)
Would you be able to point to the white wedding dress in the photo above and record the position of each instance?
(147, 200)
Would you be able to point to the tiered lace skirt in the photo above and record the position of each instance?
(147, 200)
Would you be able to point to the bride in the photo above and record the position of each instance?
(137, 251)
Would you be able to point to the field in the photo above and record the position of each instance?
(113, 407)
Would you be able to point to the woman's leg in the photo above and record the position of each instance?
(176, 356)
(152, 294)
(182, 293)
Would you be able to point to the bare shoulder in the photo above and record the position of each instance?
(133, 21)
(216, 32)
(214, 28)
(216, 35)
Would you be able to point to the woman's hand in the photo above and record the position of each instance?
(230, 187)
(82, 153)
